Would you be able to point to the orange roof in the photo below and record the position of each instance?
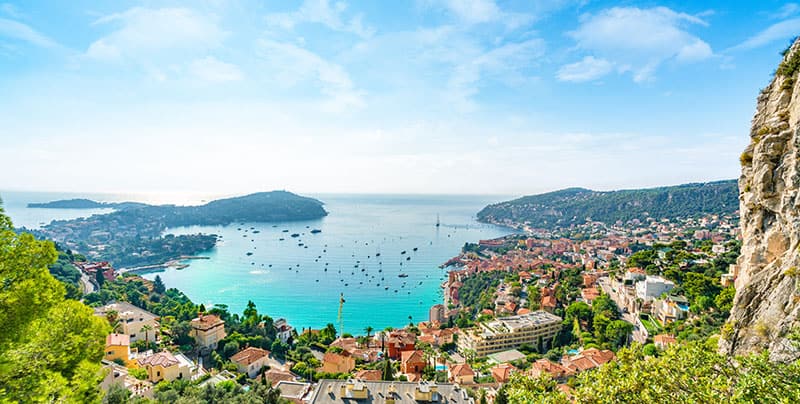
(553, 369)
(163, 359)
(118, 340)
(332, 357)
(206, 321)
(664, 339)
(462, 370)
(412, 356)
(487, 312)
(548, 301)
(249, 355)
(370, 375)
(503, 371)
(523, 311)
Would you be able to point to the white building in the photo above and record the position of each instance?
(136, 322)
(283, 331)
(652, 287)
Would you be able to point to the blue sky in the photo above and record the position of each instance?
(426, 96)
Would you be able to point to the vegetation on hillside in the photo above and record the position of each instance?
(691, 373)
(575, 206)
(50, 346)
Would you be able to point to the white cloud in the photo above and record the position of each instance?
(588, 69)
(294, 65)
(481, 11)
(144, 32)
(506, 63)
(786, 11)
(20, 31)
(322, 12)
(783, 30)
(212, 69)
(641, 39)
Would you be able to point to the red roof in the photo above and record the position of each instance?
(118, 340)
(249, 355)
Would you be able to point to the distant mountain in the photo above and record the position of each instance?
(574, 206)
(81, 203)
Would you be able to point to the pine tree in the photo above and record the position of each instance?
(158, 285)
(388, 374)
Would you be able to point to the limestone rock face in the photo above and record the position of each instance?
(767, 303)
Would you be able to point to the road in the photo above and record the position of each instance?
(86, 284)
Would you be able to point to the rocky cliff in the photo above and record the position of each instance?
(767, 302)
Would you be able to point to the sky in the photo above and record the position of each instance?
(425, 96)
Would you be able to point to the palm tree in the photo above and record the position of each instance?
(368, 329)
(146, 329)
(113, 318)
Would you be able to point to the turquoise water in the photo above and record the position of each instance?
(287, 280)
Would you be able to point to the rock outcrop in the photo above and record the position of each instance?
(767, 303)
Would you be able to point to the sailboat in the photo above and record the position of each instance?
(438, 223)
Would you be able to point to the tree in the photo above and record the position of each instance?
(617, 332)
(388, 373)
(98, 276)
(368, 329)
(230, 349)
(724, 300)
(146, 330)
(158, 285)
(117, 394)
(579, 311)
(502, 396)
(50, 348)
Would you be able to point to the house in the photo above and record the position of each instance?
(338, 363)
(283, 331)
(589, 294)
(293, 391)
(384, 392)
(461, 374)
(554, 370)
(587, 359)
(398, 341)
(275, 376)
(139, 324)
(165, 366)
(509, 333)
(250, 360)
(662, 341)
(368, 375)
(412, 362)
(118, 348)
(671, 309)
(207, 331)
(118, 375)
(652, 287)
(549, 303)
(502, 372)
(437, 313)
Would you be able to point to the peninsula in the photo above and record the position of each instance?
(134, 236)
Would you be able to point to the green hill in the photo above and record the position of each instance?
(574, 206)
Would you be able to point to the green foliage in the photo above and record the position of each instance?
(573, 206)
(691, 373)
(50, 347)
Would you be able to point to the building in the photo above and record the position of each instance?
(338, 363)
(461, 374)
(386, 392)
(118, 375)
(555, 370)
(137, 323)
(652, 287)
(118, 348)
(397, 341)
(437, 314)
(369, 375)
(165, 366)
(412, 362)
(294, 391)
(502, 372)
(671, 309)
(250, 361)
(283, 331)
(207, 331)
(509, 333)
(662, 341)
(587, 359)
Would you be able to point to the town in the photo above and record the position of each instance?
(533, 304)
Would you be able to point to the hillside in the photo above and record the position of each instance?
(82, 203)
(574, 206)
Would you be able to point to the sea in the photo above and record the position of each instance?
(379, 254)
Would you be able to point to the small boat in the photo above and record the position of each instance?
(415, 248)
(377, 254)
(295, 235)
(281, 239)
(402, 252)
(249, 253)
(408, 258)
(285, 230)
(402, 276)
(315, 231)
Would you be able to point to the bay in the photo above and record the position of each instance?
(364, 245)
